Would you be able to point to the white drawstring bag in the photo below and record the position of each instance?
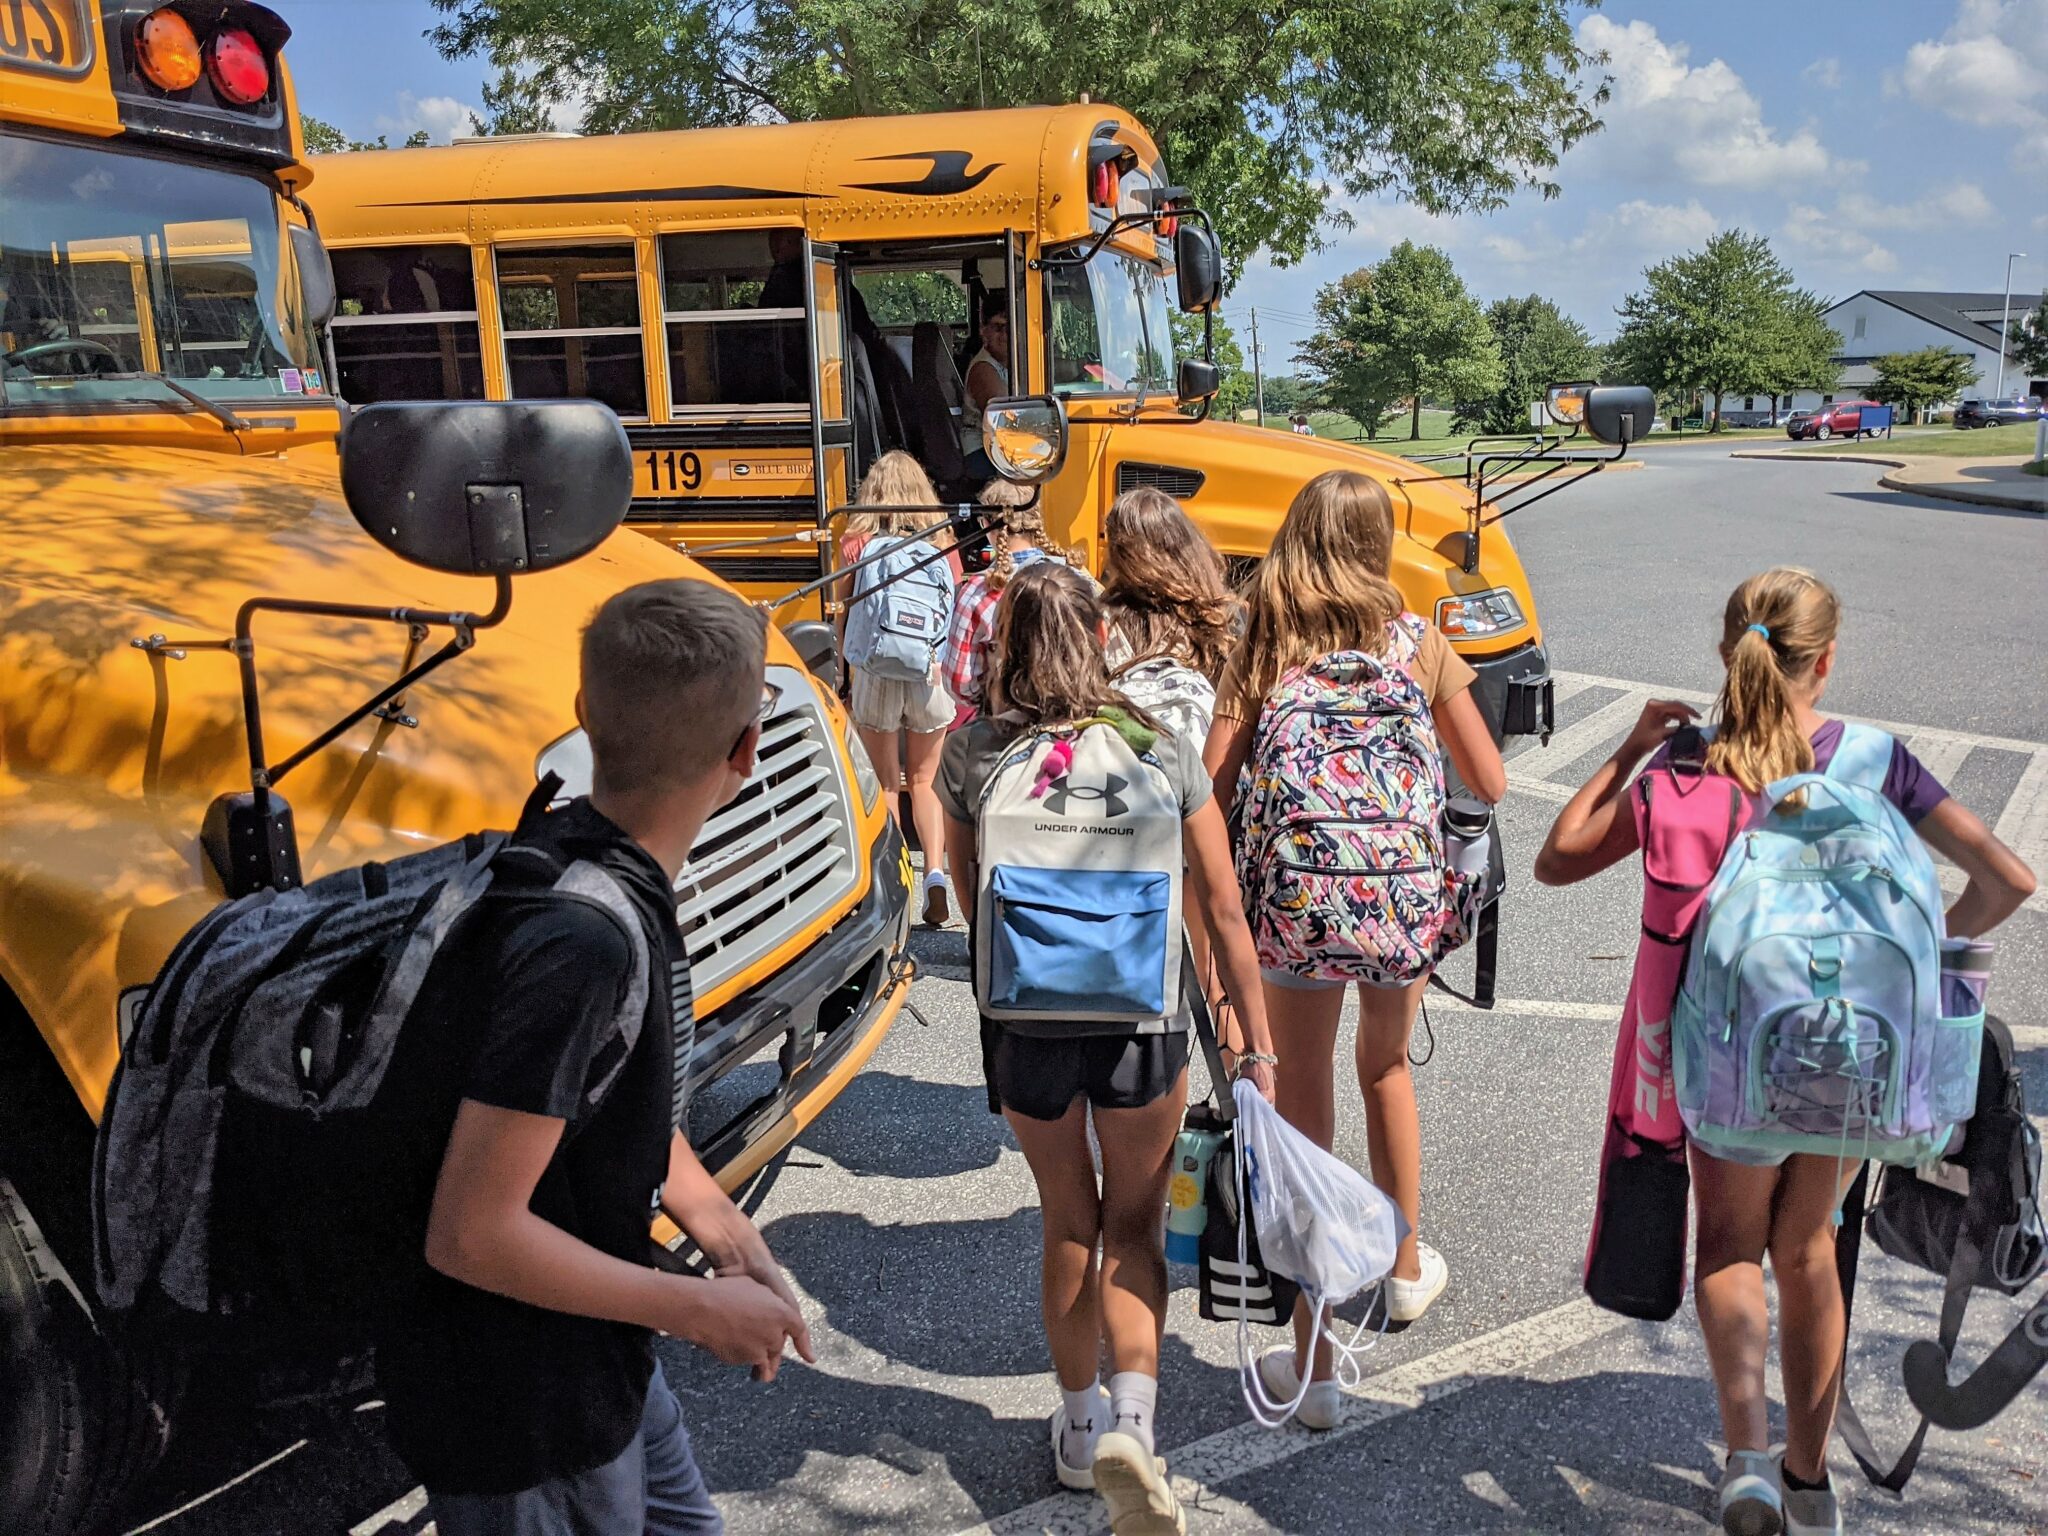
(1321, 1223)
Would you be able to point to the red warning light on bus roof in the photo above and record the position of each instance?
(235, 61)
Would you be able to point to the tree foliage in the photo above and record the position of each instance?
(1234, 391)
(1708, 320)
(1799, 353)
(1289, 394)
(1540, 345)
(323, 138)
(1405, 329)
(1265, 110)
(1927, 377)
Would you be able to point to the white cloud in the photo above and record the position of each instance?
(1963, 203)
(1989, 68)
(1820, 236)
(1825, 73)
(1662, 228)
(1669, 120)
(442, 117)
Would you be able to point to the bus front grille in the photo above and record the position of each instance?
(1177, 482)
(781, 855)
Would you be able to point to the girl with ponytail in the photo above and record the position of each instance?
(1020, 542)
(1778, 644)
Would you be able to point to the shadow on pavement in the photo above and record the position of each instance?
(906, 1128)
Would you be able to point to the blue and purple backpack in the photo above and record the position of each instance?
(1810, 1017)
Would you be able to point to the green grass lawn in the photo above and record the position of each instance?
(1982, 443)
(2038, 467)
(1393, 438)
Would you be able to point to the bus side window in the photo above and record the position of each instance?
(572, 325)
(733, 313)
(406, 326)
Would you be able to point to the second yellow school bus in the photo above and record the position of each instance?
(768, 307)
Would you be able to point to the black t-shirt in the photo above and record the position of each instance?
(489, 1395)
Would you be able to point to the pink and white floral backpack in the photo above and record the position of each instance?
(1339, 815)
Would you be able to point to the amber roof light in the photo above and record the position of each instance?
(167, 50)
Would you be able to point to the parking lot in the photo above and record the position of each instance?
(908, 1220)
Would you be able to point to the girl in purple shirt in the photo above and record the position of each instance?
(1778, 643)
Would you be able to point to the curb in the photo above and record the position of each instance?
(1940, 490)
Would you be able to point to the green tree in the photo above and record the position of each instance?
(1540, 345)
(1265, 111)
(324, 138)
(1289, 394)
(1403, 330)
(1800, 352)
(2029, 342)
(1919, 379)
(1234, 390)
(1707, 320)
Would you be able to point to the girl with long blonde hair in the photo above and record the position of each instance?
(1163, 587)
(1324, 587)
(903, 724)
(1778, 644)
(1103, 1265)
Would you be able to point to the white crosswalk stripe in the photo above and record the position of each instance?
(2021, 821)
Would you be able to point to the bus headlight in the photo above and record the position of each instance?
(864, 776)
(1479, 615)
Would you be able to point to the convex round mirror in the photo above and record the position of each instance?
(480, 488)
(1026, 437)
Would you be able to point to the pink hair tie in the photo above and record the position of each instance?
(1055, 766)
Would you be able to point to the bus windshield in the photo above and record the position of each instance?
(116, 266)
(1108, 328)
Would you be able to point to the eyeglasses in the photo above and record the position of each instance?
(771, 700)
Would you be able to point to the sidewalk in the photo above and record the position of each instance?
(1999, 482)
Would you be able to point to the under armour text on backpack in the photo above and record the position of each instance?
(901, 606)
(263, 1154)
(1078, 907)
(1810, 1019)
(1340, 850)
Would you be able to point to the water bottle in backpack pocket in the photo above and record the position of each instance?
(1810, 1019)
(1340, 850)
(1079, 903)
(900, 609)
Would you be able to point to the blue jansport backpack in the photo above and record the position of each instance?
(1810, 1016)
(899, 612)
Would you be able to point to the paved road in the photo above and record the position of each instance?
(908, 1216)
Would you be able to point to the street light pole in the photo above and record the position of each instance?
(2005, 320)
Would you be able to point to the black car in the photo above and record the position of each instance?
(1997, 413)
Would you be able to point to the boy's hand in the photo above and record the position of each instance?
(750, 1257)
(737, 1319)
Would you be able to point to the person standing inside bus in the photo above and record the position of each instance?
(903, 724)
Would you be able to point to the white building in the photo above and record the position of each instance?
(1877, 321)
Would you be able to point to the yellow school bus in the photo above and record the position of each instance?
(699, 282)
(168, 453)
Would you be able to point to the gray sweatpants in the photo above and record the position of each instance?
(652, 1486)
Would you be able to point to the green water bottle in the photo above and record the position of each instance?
(1187, 1209)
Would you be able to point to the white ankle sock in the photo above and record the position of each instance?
(1133, 1398)
(1083, 1423)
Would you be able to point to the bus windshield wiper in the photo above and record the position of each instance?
(213, 408)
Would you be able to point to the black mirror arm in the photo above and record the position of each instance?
(1116, 226)
(960, 542)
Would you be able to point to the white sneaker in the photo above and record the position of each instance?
(936, 907)
(1407, 1300)
(1081, 1478)
(1750, 1504)
(1132, 1481)
(1323, 1406)
(1810, 1511)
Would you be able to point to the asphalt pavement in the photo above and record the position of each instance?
(908, 1219)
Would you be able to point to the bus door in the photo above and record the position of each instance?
(833, 467)
(732, 477)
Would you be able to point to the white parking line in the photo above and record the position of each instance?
(1244, 1448)
(213, 1493)
(402, 1511)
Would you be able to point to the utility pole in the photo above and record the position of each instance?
(1259, 377)
(2005, 320)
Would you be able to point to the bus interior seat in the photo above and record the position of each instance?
(891, 380)
(867, 407)
(938, 396)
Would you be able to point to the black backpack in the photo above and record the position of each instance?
(1974, 1217)
(266, 1160)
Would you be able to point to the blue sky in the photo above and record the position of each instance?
(1882, 144)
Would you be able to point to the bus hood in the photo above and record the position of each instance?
(1244, 477)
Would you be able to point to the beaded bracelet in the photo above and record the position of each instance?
(1251, 1058)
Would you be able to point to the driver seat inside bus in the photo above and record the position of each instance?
(938, 401)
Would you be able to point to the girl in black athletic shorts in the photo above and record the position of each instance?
(1048, 668)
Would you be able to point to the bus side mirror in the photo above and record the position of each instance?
(479, 488)
(1620, 414)
(1197, 266)
(1198, 380)
(1025, 437)
(316, 274)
